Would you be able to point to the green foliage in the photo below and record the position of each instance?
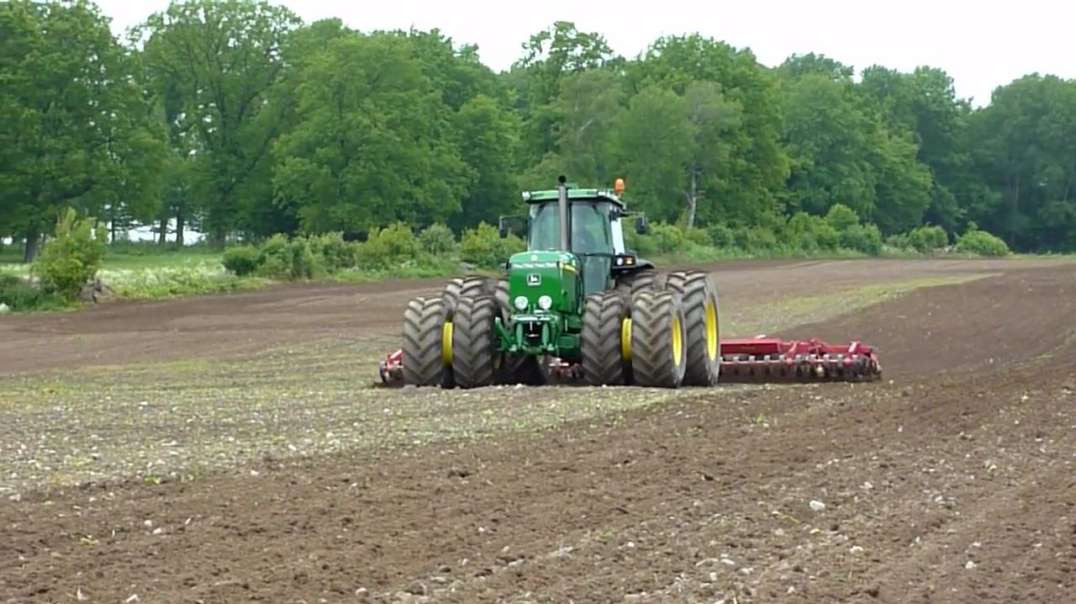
(71, 259)
(281, 258)
(20, 295)
(756, 240)
(333, 253)
(389, 246)
(241, 260)
(841, 217)
(981, 243)
(810, 233)
(697, 236)
(153, 283)
(235, 118)
(862, 238)
(75, 127)
(643, 245)
(484, 247)
(928, 239)
(438, 240)
(667, 238)
(721, 236)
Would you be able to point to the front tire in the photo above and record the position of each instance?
(476, 359)
(424, 353)
(601, 346)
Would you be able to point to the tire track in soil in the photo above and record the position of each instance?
(651, 504)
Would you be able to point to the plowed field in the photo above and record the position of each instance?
(233, 448)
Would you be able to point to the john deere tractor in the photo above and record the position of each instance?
(577, 302)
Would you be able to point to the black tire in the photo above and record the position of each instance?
(423, 352)
(697, 291)
(656, 322)
(466, 287)
(475, 358)
(603, 359)
(637, 281)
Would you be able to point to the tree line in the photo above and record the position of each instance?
(236, 118)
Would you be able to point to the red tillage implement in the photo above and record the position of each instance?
(755, 360)
(769, 359)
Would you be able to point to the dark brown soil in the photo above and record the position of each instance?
(950, 481)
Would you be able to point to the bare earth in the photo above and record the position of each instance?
(952, 480)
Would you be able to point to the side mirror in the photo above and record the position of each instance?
(642, 227)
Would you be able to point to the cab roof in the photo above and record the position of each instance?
(573, 194)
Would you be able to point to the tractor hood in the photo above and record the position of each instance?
(537, 274)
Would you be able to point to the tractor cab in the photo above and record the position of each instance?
(594, 233)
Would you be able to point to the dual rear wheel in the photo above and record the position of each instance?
(654, 330)
(450, 340)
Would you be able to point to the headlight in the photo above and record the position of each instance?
(545, 302)
(521, 302)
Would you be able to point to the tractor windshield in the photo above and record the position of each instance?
(590, 227)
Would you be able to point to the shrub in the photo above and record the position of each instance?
(21, 295)
(900, 241)
(242, 260)
(721, 236)
(756, 239)
(72, 257)
(982, 243)
(437, 240)
(810, 233)
(280, 258)
(642, 245)
(332, 252)
(841, 217)
(483, 246)
(862, 238)
(667, 238)
(387, 247)
(926, 239)
(698, 237)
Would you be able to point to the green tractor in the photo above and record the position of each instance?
(577, 303)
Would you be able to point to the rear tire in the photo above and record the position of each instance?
(423, 352)
(475, 358)
(601, 349)
(702, 326)
(466, 287)
(658, 356)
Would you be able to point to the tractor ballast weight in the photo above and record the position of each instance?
(577, 305)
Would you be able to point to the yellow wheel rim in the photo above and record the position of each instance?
(446, 343)
(712, 333)
(677, 341)
(625, 339)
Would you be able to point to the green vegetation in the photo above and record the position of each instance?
(981, 243)
(71, 258)
(317, 144)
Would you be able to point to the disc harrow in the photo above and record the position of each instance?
(765, 359)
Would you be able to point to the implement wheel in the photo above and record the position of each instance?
(698, 297)
(427, 343)
(475, 357)
(658, 340)
(604, 355)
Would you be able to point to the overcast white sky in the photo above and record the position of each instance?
(980, 44)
